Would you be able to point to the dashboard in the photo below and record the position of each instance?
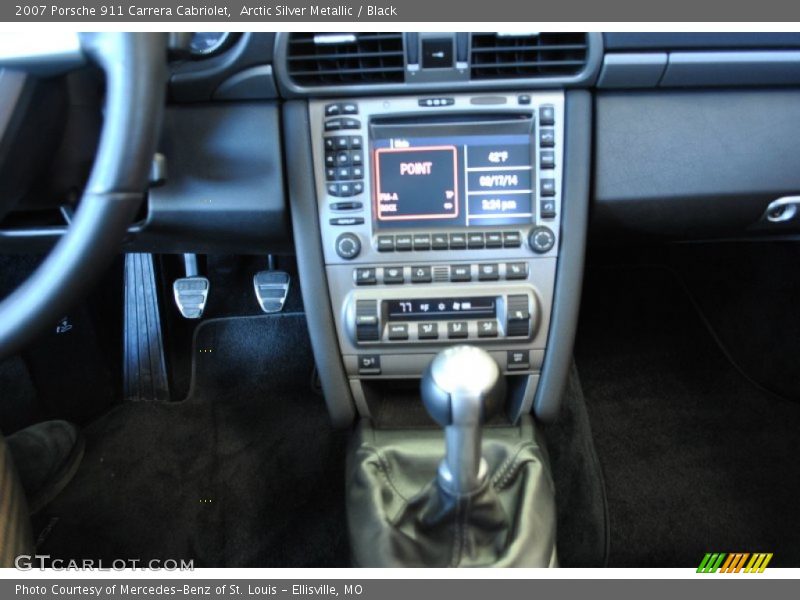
(443, 187)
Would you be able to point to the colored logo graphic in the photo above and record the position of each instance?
(744, 562)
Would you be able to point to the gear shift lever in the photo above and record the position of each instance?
(460, 388)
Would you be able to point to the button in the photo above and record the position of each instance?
(393, 275)
(347, 221)
(340, 143)
(330, 174)
(518, 270)
(403, 243)
(345, 189)
(358, 172)
(494, 240)
(457, 329)
(439, 241)
(330, 159)
(458, 241)
(487, 328)
(346, 205)
(356, 158)
(333, 189)
(428, 331)
(541, 240)
(330, 143)
(460, 272)
(343, 173)
(475, 240)
(429, 102)
(398, 331)
(422, 241)
(333, 125)
(342, 158)
(349, 108)
(488, 272)
(365, 276)
(517, 360)
(547, 114)
(547, 138)
(385, 243)
(358, 188)
(348, 246)
(547, 159)
(356, 142)
(350, 124)
(421, 275)
(369, 364)
(518, 317)
(547, 187)
(367, 323)
(331, 110)
(523, 99)
(437, 53)
(547, 209)
(512, 239)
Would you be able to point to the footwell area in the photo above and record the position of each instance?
(246, 471)
(696, 458)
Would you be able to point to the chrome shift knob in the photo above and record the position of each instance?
(461, 386)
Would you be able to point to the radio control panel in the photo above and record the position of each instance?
(439, 224)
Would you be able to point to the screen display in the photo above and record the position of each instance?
(453, 181)
(441, 308)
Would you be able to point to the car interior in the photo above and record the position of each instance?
(398, 299)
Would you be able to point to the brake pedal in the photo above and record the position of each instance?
(191, 292)
(271, 289)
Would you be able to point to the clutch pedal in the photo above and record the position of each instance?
(191, 292)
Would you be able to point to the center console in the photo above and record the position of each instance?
(440, 219)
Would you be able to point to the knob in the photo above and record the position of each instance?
(541, 240)
(348, 246)
(460, 388)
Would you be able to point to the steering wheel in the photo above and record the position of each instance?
(135, 72)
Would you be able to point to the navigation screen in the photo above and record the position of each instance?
(453, 181)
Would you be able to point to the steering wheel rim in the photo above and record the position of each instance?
(135, 70)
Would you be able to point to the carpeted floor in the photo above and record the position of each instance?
(696, 458)
(582, 525)
(245, 472)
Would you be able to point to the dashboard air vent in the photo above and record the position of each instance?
(527, 55)
(316, 59)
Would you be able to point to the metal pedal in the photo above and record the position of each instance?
(191, 292)
(271, 289)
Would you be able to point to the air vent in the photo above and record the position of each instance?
(527, 55)
(316, 59)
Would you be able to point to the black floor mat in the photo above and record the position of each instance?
(246, 472)
(696, 458)
(582, 525)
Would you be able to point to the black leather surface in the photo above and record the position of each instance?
(398, 517)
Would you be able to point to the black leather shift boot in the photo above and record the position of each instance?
(398, 516)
